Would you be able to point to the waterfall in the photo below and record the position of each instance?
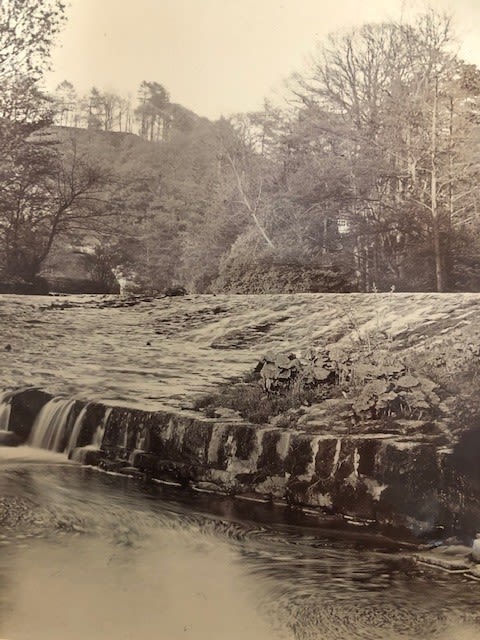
(50, 426)
(100, 430)
(56, 429)
(81, 454)
(77, 427)
(5, 408)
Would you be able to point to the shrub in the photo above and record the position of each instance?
(376, 389)
(280, 371)
(400, 395)
(283, 383)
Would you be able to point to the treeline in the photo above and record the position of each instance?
(150, 114)
(367, 180)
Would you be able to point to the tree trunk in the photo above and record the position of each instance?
(437, 249)
(437, 245)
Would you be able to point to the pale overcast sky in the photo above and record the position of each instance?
(218, 56)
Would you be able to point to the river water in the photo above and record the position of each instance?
(159, 354)
(84, 554)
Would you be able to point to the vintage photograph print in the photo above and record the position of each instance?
(239, 320)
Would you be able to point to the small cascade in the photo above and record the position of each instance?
(50, 427)
(5, 409)
(57, 427)
(310, 470)
(100, 430)
(84, 454)
(77, 427)
(215, 441)
(283, 444)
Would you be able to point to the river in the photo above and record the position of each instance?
(159, 354)
(84, 554)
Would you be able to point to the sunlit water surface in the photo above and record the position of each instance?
(161, 353)
(89, 555)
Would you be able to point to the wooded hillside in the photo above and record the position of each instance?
(367, 180)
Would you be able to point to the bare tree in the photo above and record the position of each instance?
(49, 187)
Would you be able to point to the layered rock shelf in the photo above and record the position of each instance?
(378, 479)
(141, 363)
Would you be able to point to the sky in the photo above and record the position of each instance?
(219, 57)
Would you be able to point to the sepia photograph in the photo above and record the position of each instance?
(239, 320)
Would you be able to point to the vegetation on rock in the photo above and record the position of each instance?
(286, 383)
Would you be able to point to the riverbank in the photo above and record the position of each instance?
(120, 382)
(403, 483)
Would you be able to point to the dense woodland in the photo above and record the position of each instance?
(366, 180)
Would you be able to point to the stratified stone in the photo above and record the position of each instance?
(299, 456)
(196, 440)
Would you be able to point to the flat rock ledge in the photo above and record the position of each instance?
(410, 485)
(453, 558)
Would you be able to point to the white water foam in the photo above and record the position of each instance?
(5, 409)
(49, 427)
(77, 427)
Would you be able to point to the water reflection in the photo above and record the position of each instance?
(87, 555)
(170, 588)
